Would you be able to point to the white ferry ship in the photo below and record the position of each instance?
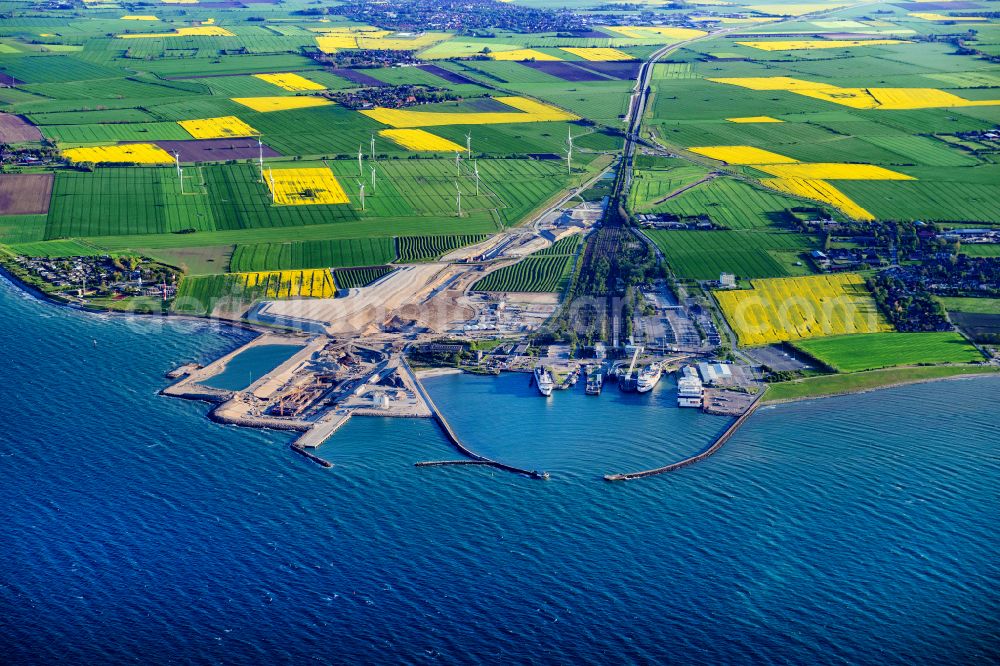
(649, 378)
(543, 380)
(689, 388)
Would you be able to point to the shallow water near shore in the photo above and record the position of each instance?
(858, 529)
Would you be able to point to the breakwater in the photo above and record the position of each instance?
(298, 448)
(716, 445)
(474, 457)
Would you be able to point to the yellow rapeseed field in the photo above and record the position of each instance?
(654, 32)
(305, 186)
(332, 43)
(139, 153)
(598, 54)
(222, 127)
(797, 9)
(523, 54)
(400, 42)
(742, 155)
(819, 190)
(755, 119)
(267, 104)
(930, 16)
(367, 30)
(418, 139)
(530, 112)
(810, 44)
(834, 171)
(729, 20)
(313, 283)
(859, 98)
(782, 309)
(132, 17)
(198, 31)
(290, 81)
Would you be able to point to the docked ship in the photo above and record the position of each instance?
(543, 380)
(649, 377)
(689, 388)
(595, 381)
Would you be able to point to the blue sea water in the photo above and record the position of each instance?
(248, 366)
(850, 530)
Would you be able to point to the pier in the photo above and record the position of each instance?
(716, 445)
(474, 458)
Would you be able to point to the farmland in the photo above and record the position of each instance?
(204, 294)
(427, 248)
(854, 353)
(350, 278)
(703, 255)
(540, 273)
(780, 310)
(313, 254)
(748, 139)
(544, 271)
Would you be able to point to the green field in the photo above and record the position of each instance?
(537, 273)
(547, 270)
(427, 248)
(990, 306)
(828, 385)
(703, 255)
(349, 278)
(729, 203)
(313, 254)
(854, 353)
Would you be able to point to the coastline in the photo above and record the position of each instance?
(437, 372)
(259, 330)
(34, 292)
(872, 389)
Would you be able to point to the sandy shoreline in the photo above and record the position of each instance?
(437, 372)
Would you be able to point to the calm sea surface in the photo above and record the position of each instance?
(849, 530)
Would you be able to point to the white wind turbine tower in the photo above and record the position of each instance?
(361, 171)
(569, 152)
(361, 191)
(468, 143)
(459, 199)
(373, 180)
(475, 166)
(260, 156)
(458, 164)
(180, 171)
(373, 146)
(270, 177)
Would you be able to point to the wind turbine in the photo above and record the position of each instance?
(180, 171)
(360, 170)
(270, 177)
(260, 156)
(569, 152)
(459, 199)
(458, 164)
(475, 166)
(373, 180)
(361, 191)
(468, 143)
(373, 146)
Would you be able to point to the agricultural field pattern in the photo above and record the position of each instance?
(288, 151)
